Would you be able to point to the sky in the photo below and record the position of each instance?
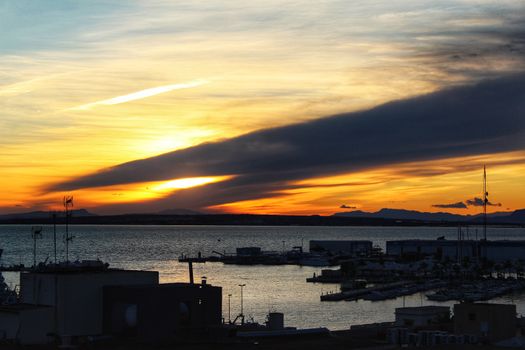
(274, 107)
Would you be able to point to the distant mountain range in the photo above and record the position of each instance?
(383, 217)
(515, 217)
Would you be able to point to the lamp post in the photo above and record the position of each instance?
(229, 308)
(242, 306)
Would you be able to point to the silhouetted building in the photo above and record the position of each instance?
(487, 321)
(343, 247)
(164, 311)
(497, 251)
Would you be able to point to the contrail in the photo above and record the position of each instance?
(141, 94)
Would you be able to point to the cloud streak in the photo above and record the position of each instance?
(458, 205)
(488, 117)
(142, 94)
(478, 202)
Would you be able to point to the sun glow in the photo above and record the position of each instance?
(187, 183)
(144, 191)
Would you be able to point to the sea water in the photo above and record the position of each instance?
(268, 288)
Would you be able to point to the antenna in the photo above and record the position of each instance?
(485, 201)
(68, 202)
(55, 235)
(36, 233)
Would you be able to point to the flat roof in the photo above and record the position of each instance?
(484, 305)
(164, 285)
(84, 271)
(423, 309)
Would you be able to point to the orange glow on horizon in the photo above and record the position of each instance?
(413, 186)
(128, 193)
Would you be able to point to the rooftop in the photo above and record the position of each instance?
(430, 309)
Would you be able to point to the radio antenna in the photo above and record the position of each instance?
(68, 202)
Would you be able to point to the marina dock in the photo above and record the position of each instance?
(384, 291)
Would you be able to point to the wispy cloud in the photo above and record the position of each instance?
(138, 95)
(478, 202)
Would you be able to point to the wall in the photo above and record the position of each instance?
(77, 297)
(495, 321)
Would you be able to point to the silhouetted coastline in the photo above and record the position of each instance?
(240, 219)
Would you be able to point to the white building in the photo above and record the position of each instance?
(421, 316)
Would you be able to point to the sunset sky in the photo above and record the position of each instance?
(281, 107)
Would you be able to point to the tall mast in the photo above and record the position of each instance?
(485, 201)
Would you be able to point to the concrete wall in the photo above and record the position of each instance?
(77, 297)
(26, 326)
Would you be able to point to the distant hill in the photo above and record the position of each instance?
(178, 211)
(45, 214)
(384, 217)
(517, 216)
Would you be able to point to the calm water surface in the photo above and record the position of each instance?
(268, 288)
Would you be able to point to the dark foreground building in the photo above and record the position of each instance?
(162, 312)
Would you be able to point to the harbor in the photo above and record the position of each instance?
(356, 273)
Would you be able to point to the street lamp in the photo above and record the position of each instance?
(242, 306)
(229, 308)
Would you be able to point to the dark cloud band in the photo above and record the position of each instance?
(485, 118)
